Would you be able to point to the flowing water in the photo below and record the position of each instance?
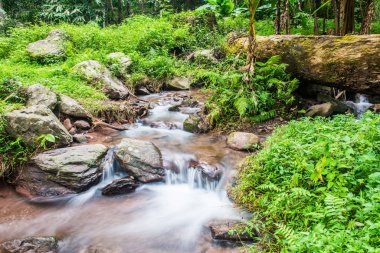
(360, 105)
(160, 217)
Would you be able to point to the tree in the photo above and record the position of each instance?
(347, 12)
(368, 16)
(252, 7)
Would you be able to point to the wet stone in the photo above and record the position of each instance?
(120, 186)
(31, 245)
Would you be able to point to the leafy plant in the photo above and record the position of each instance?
(232, 99)
(315, 187)
(221, 7)
(44, 139)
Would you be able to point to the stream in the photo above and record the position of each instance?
(168, 217)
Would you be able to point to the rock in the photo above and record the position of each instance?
(42, 96)
(205, 56)
(375, 108)
(140, 159)
(45, 244)
(73, 131)
(242, 140)
(82, 124)
(179, 83)
(348, 63)
(30, 123)
(220, 230)
(210, 171)
(67, 124)
(51, 49)
(323, 110)
(120, 186)
(96, 74)
(142, 91)
(120, 63)
(196, 124)
(80, 138)
(100, 249)
(61, 171)
(70, 107)
(174, 108)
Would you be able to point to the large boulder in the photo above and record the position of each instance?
(30, 123)
(72, 108)
(51, 49)
(120, 186)
(140, 159)
(242, 140)
(98, 75)
(61, 171)
(322, 110)
(350, 62)
(119, 63)
(46, 244)
(179, 83)
(41, 95)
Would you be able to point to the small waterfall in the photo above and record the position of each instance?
(109, 174)
(182, 172)
(360, 105)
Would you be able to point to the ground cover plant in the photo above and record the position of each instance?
(315, 186)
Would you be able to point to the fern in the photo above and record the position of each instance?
(286, 232)
(242, 105)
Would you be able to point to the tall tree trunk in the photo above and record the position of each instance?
(287, 17)
(336, 6)
(277, 21)
(316, 27)
(120, 11)
(127, 8)
(367, 20)
(347, 16)
(251, 59)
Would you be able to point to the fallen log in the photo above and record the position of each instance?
(350, 62)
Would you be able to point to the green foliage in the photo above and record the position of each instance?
(315, 187)
(220, 7)
(267, 96)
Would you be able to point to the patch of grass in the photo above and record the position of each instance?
(315, 187)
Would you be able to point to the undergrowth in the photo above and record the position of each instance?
(268, 95)
(316, 186)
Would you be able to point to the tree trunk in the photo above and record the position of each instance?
(347, 16)
(120, 11)
(336, 6)
(349, 63)
(2, 12)
(277, 21)
(287, 17)
(316, 27)
(367, 20)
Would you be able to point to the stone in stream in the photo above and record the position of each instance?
(61, 171)
(242, 140)
(140, 159)
(41, 96)
(212, 172)
(220, 230)
(70, 107)
(82, 125)
(100, 249)
(196, 124)
(120, 186)
(51, 49)
(98, 75)
(46, 244)
(30, 123)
